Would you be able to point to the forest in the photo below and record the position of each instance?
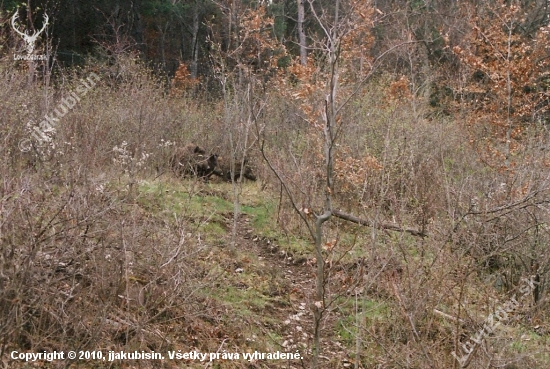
(275, 184)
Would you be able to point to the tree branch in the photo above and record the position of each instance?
(368, 223)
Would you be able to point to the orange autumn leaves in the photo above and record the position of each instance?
(504, 89)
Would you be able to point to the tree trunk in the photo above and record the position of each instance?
(137, 26)
(194, 44)
(301, 33)
(162, 43)
(319, 304)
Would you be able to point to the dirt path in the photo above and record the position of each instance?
(296, 317)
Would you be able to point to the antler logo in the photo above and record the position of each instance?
(29, 39)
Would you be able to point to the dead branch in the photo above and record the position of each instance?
(447, 316)
(381, 225)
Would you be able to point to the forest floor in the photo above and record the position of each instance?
(261, 298)
(164, 265)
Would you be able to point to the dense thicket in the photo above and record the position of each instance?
(399, 148)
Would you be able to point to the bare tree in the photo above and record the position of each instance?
(322, 97)
(301, 32)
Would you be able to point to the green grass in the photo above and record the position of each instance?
(167, 197)
(248, 294)
(211, 213)
(261, 216)
(368, 311)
